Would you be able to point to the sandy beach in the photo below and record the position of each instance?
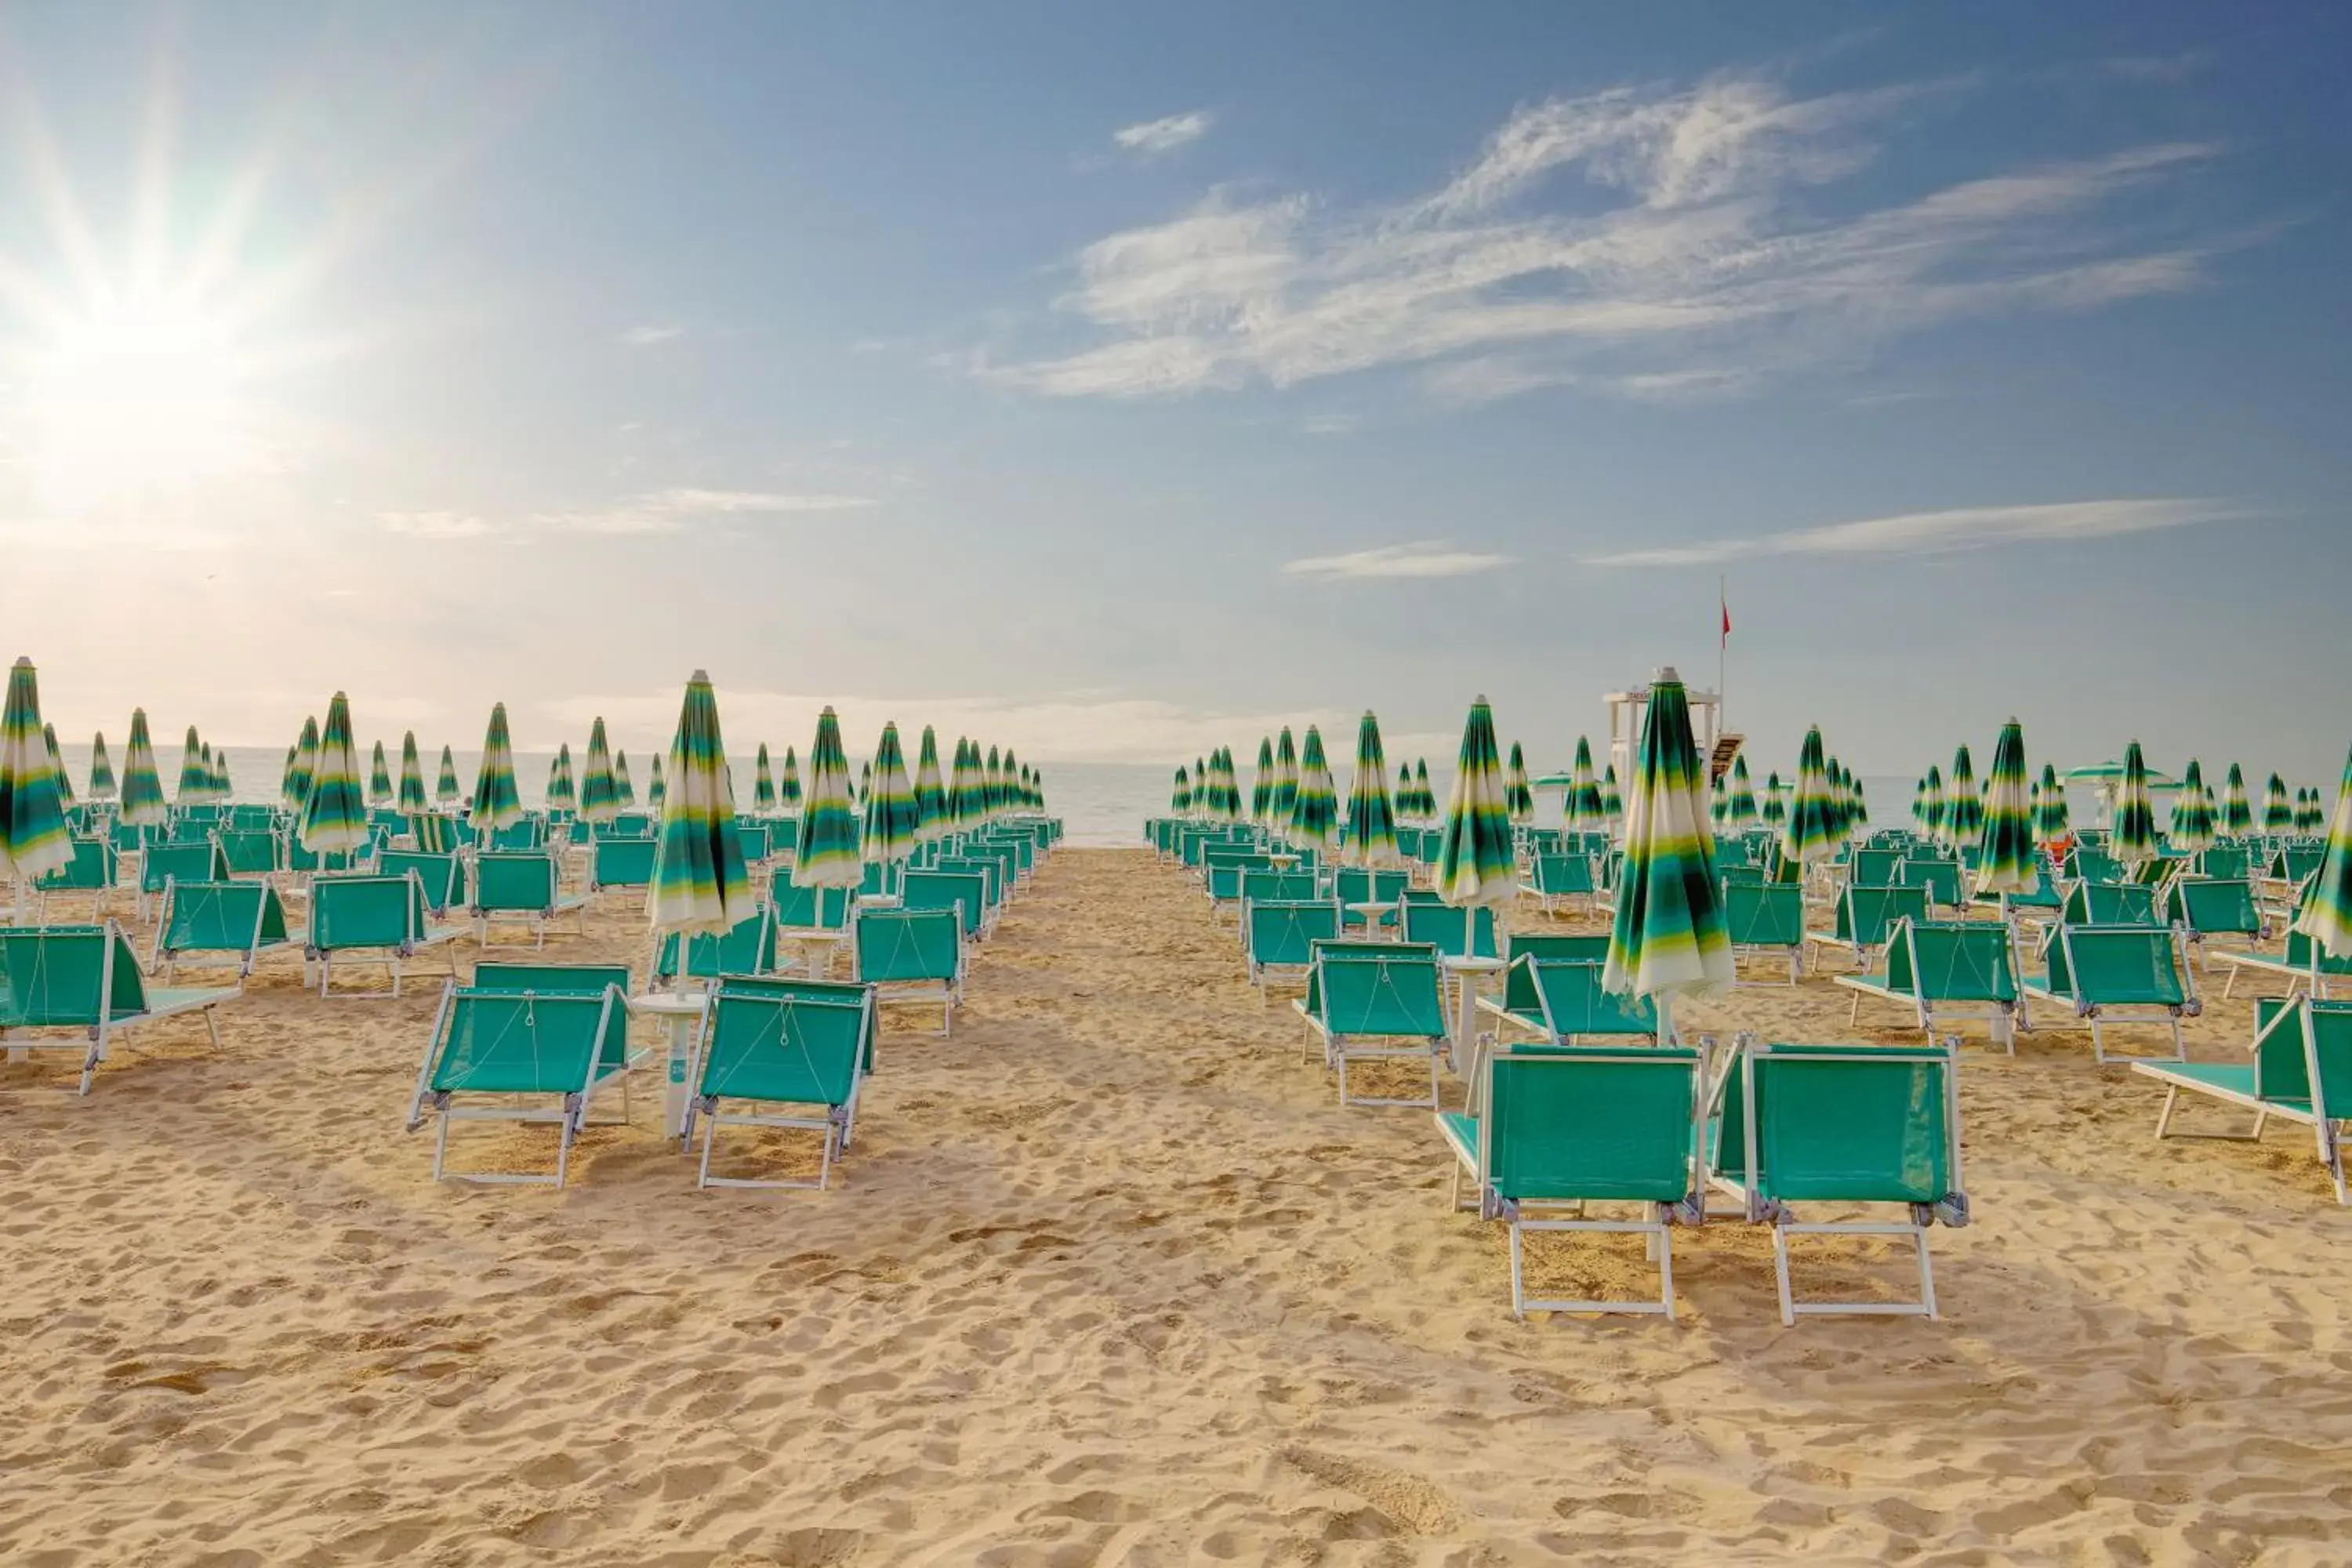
(1111, 1277)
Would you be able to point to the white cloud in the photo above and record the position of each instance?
(1943, 533)
(1153, 137)
(1699, 262)
(1329, 424)
(437, 524)
(670, 511)
(650, 336)
(1424, 558)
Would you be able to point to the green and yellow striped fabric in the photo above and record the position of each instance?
(1668, 935)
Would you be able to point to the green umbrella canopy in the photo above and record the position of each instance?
(1011, 780)
(891, 814)
(379, 778)
(1810, 832)
(600, 796)
(1371, 815)
(1963, 807)
(208, 787)
(1519, 796)
(190, 789)
(142, 786)
(763, 783)
(788, 788)
(1424, 799)
(1744, 813)
(563, 789)
(1775, 809)
(966, 800)
(2310, 817)
(58, 766)
(1612, 804)
(1476, 863)
(34, 839)
(1283, 802)
(2237, 815)
(2278, 816)
(496, 802)
(102, 770)
(2192, 812)
(826, 854)
(992, 783)
(2327, 913)
(444, 787)
(294, 789)
(2006, 859)
(411, 775)
(1667, 936)
(2112, 773)
(1315, 806)
(700, 887)
(1583, 807)
(2051, 821)
(334, 817)
(865, 785)
(1261, 781)
(1932, 802)
(625, 794)
(655, 786)
(931, 820)
(2133, 838)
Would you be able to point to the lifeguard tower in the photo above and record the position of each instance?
(1629, 709)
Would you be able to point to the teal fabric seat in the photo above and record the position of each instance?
(619, 862)
(2109, 974)
(749, 947)
(963, 893)
(496, 1044)
(1865, 917)
(912, 957)
(1766, 920)
(1562, 879)
(358, 912)
(84, 979)
(1944, 970)
(1572, 949)
(442, 876)
(244, 921)
(1561, 1001)
(765, 1048)
(1372, 1001)
(2300, 1071)
(522, 887)
(95, 870)
(1279, 936)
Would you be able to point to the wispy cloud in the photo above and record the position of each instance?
(437, 524)
(1708, 268)
(1152, 136)
(1943, 533)
(670, 511)
(1329, 424)
(1424, 558)
(650, 336)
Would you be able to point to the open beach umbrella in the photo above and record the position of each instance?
(58, 766)
(2006, 861)
(1261, 781)
(34, 839)
(2051, 821)
(563, 789)
(444, 786)
(625, 794)
(656, 788)
(2133, 838)
(498, 802)
(1518, 794)
(2278, 816)
(931, 821)
(101, 769)
(826, 854)
(788, 786)
(2192, 812)
(700, 887)
(1963, 807)
(1284, 803)
(2327, 915)
(2237, 817)
(764, 783)
(891, 814)
(1476, 863)
(1583, 808)
(142, 788)
(334, 819)
(190, 789)
(379, 791)
(1315, 804)
(1744, 813)
(599, 798)
(412, 775)
(1810, 832)
(1371, 815)
(1667, 936)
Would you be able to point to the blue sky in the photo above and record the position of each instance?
(1116, 381)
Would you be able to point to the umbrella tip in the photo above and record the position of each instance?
(700, 676)
(1665, 672)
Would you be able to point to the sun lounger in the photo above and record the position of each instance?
(95, 868)
(811, 914)
(1579, 948)
(86, 979)
(1940, 875)
(1843, 1125)
(1946, 971)
(912, 957)
(766, 1047)
(199, 861)
(2303, 965)
(1374, 1001)
(2206, 909)
(442, 876)
(1555, 881)
(2109, 974)
(1352, 886)
(252, 851)
(2301, 1072)
(1766, 920)
(620, 863)
(357, 912)
(1279, 936)
(522, 887)
(242, 922)
(1866, 916)
(965, 892)
(1559, 1002)
(494, 1047)
(750, 947)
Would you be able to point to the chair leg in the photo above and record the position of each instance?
(1781, 1269)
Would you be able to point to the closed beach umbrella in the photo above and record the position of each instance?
(34, 839)
(497, 804)
(1612, 804)
(2051, 821)
(1775, 809)
(788, 786)
(993, 784)
(1963, 807)
(891, 814)
(1424, 798)
(2237, 817)
(1718, 805)
(1744, 813)
(1932, 804)
(2006, 862)
(1919, 803)
(931, 820)
(101, 769)
(1013, 800)
(190, 789)
(1518, 794)
(966, 787)
(864, 785)
(411, 775)
(2132, 839)
(1857, 804)
(600, 796)
(379, 778)
(1371, 815)
(563, 789)
(1261, 781)
(625, 794)
(2278, 816)
(1584, 810)
(1667, 936)
(286, 791)
(334, 819)
(142, 786)
(2327, 915)
(2309, 817)
(58, 766)
(445, 786)
(2192, 812)
(295, 788)
(1474, 860)
(655, 786)
(1284, 803)
(826, 854)
(1810, 832)
(700, 887)
(763, 783)
(1315, 804)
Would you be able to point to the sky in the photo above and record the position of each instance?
(1117, 381)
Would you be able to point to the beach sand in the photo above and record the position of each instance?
(1111, 1277)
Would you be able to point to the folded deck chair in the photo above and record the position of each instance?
(86, 978)
(496, 1046)
(1866, 916)
(2105, 975)
(1843, 1125)
(229, 922)
(1557, 880)
(1559, 1002)
(1558, 1131)
(1947, 971)
(95, 868)
(748, 947)
(966, 892)
(357, 912)
(2304, 965)
(1278, 937)
(2209, 909)
(200, 861)
(765, 1049)
(621, 863)
(1374, 1001)
(1766, 921)
(2301, 1072)
(913, 958)
(442, 876)
(522, 887)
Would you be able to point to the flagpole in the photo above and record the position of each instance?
(1722, 644)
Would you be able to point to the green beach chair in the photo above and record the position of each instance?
(1940, 875)
(1455, 932)
(522, 887)
(2225, 861)
(2110, 904)
(1558, 1131)
(95, 870)
(355, 911)
(1278, 937)
(241, 920)
(198, 861)
(1843, 1125)
(2301, 1072)
(252, 851)
(2205, 909)
(1376, 1001)
(442, 877)
(2304, 966)
(964, 893)
(1561, 880)
(490, 1047)
(2090, 863)
(1877, 867)
(765, 1048)
(1947, 971)
(86, 979)
(1766, 921)
(912, 957)
(1572, 948)
(620, 863)
(2109, 974)
(1866, 916)
(811, 914)
(1559, 1002)
(1351, 885)
(750, 947)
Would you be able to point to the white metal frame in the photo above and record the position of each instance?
(837, 1126)
(2097, 1016)
(570, 1116)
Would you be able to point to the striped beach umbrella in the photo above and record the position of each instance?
(2237, 817)
(2192, 812)
(1963, 807)
(891, 812)
(1285, 801)
(1315, 802)
(1612, 804)
(58, 766)
(600, 796)
(2051, 821)
(1919, 803)
(378, 792)
(498, 802)
(2278, 816)
(656, 788)
(2312, 817)
(563, 789)
(220, 773)
(2006, 861)
(412, 775)
(1857, 804)
(1810, 832)
(213, 789)
(2327, 915)
(864, 785)
(1744, 814)
(1583, 808)
(1371, 815)
(1775, 809)
(1204, 788)
(1476, 863)
(1013, 801)
(101, 769)
(1261, 781)
(625, 792)
(699, 886)
(445, 784)
(992, 785)
(1424, 799)
(286, 779)
(1518, 796)
(764, 783)
(294, 789)
(1667, 936)
(1932, 802)
(826, 854)
(1718, 805)
(190, 788)
(964, 800)
(931, 822)
(788, 786)
(142, 786)
(2133, 838)
(334, 819)
(34, 839)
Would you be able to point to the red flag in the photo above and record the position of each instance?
(1726, 619)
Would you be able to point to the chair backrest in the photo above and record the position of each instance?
(783, 1046)
(565, 980)
(92, 867)
(851, 992)
(2296, 862)
(2215, 906)
(1277, 887)
(749, 947)
(1764, 914)
(220, 917)
(66, 977)
(1224, 879)
(621, 862)
(1455, 932)
(2110, 904)
(2118, 966)
(1574, 948)
(2224, 860)
(965, 891)
(990, 871)
(1731, 850)
(2090, 863)
(2305, 953)
(442, 877)
(627, 825)
(1560, 875)
(1377, 988)
(194, 862)
(511, 881)
(524, 1042)
(755, 839)
(251, 851)
(528, 832)
(1283, 931)
(1877, 867)
(1950, 961)
(1841, 1124)
(1572, 1002)
(810, 908)
(355, 910)
(903, 944)
(1940, 875)
(1590, 1122)
(1867, 915)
